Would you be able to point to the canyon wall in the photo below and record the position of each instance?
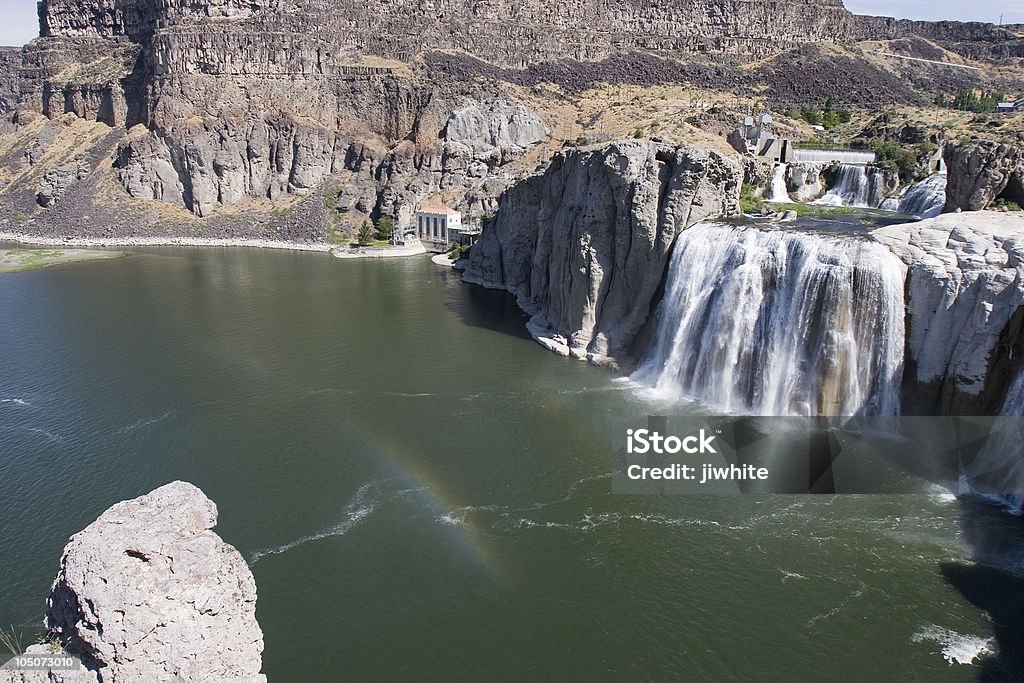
(501, 32)
(584, 245)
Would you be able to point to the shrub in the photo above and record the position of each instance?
(749, 201)
(365, 234)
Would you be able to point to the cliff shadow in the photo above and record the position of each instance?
(490, 309)
(995, 583)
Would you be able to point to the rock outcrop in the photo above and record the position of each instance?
(965, 291)
(492, 130)
(981, 171)
(584, 245)
(148, 592)
(57, 181)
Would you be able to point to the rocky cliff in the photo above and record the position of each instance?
(148, 593)
(584, 245)
(965, 309)
(377, 106)
(981, 172)
(314, 33)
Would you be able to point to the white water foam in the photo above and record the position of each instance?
(50, 436)
(956, 648)
(358, 509)
(941, 495)
(146, 422)
(15, 401)
(778, 192)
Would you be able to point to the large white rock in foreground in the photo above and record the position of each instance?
(148, 593)
(965, 283)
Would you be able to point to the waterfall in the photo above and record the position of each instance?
(855, 186)
(778, 192)
(998, 466)
(779, 323)
(924, 199)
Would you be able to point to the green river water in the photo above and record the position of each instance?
(424, 493)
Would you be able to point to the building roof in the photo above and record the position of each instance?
(437, 208)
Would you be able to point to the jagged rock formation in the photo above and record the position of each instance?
(965, 291)
(981, 171)
(56, 181)
(147, 592)
(584, 245)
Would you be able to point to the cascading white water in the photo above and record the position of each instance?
(924, 199)
(1001, 456)
(855, 186)
(778, 192)
(779, 323)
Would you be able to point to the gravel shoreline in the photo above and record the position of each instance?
(23, 238)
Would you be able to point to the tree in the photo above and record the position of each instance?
(811, 116)
(385, 227)
(366, 235)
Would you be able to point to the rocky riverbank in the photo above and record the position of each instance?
(148, 592)
(157, 241)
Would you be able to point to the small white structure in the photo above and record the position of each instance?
(1010, 107)
(438, 225)
(755, 138)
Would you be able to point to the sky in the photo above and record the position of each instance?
(18, 22)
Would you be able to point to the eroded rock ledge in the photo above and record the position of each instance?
(148, 592)
(965, 309)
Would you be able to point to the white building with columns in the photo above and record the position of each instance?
(438, 226)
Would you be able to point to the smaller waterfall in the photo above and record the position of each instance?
(1013, 404)
(924, 199)
(778, 192)
(779, 323)
(855, 185)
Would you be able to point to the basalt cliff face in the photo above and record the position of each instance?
(982, 172)
(505, 33)
(584, 245)
(148, 592)
(315, 114)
